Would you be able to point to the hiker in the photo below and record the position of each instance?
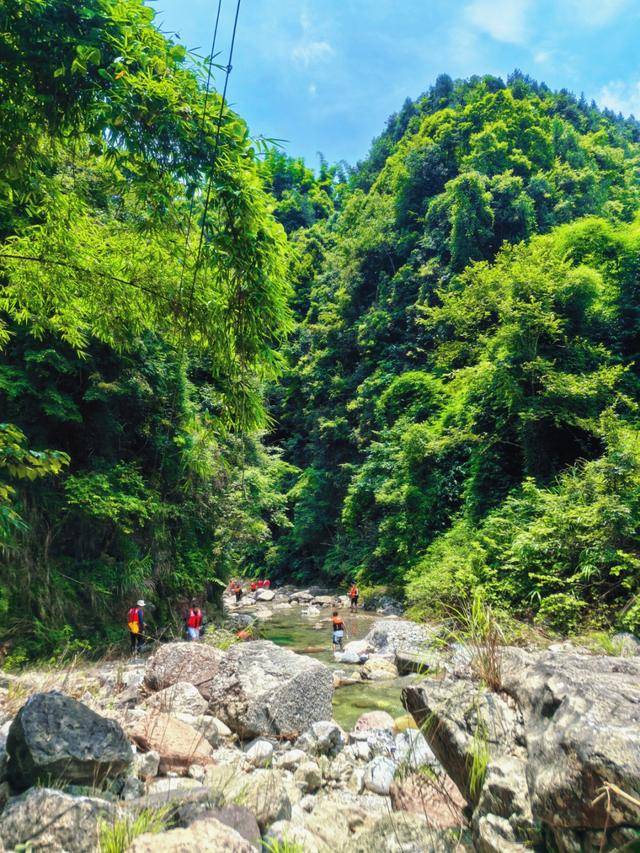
(338, 630)
(254, 586)
(267, 583)
(353, 597)
(194, 622)
(236, 588)
(135, 623)
(260, 584)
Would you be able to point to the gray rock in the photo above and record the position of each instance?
(424, 662)
(180, 698)
(323, 738)
(505, 796)
(379, 774)
(413, 752)
(146, 764)
(195, 663)
(263, 689)
(238, 818)
(493, 834)
(381, 742)
(290, 759)
(405, 833)
(55, 737)
(308, 776)
(132, 788)
(265, 595)
(582, 720)
(388, 637)
(54, 821)
(263, 792)
(259, 753)
(459, 719)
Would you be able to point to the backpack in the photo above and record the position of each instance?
(133, 620)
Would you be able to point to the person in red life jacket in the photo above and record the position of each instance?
(260, 584)
(353, 597)
(135, 624)
(254, 586)
(194, 622)
(338, 630)
(267, 583)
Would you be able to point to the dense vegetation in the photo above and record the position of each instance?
(458, 405)
(461, 397)
(142, 301)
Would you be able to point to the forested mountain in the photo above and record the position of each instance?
(460, 402)
(143, 298)
(447, 335)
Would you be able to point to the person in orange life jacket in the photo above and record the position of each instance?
(338, 630)
(135, 623)
(353, 595)
(194, 622)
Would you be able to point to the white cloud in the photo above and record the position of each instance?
(503, 20)
(597, 13)
(620, 97)
(308, 53)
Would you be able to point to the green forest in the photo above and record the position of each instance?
(420, 372)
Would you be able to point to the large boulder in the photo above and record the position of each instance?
(178, 744)
(195, 663)
(56, 737)
(390, 637)
(462, 721)
(45, 819)
(582, 721)
(262, 689)
(205, 834)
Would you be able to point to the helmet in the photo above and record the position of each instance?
(140, 603)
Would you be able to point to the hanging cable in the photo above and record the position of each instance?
(202, 124)
(216, 147)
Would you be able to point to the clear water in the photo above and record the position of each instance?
(293, 629)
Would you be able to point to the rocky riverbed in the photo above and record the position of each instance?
(238, 750)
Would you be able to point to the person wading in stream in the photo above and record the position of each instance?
(353, 597)
(135, 624)
(194, 622)
(338, 630)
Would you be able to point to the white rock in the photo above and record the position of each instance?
(259, 753)
(322, 738)
(265, 595)
(290, 759)
(347, 657)
(379, 774)
(359, 647)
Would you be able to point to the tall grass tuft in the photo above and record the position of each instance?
(118, 836)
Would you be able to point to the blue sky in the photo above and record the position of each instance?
(325, 74)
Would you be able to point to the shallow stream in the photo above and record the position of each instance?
(295, 630)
